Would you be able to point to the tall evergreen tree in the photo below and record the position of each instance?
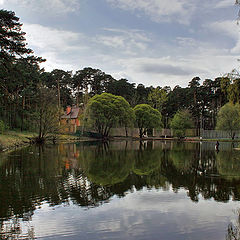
(16, 60)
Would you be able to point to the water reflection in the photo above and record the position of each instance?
(90, 174)
(233, 231)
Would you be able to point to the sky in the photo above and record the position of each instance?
(152, 42)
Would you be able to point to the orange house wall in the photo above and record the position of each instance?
(71, 125)
(74, 123)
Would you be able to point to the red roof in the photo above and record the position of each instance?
(72, 114)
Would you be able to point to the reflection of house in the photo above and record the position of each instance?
(70, 119)
(70, 154)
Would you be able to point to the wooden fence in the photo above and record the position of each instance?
(217, 134)
(205, 134)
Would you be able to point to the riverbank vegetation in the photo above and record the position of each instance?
(32, 99)
(12, 139)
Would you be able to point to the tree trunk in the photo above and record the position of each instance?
(140, 132)
(59, 104)
(59, 97)
(40, 125)
(22, 115)
(126, 131)
(77, 100)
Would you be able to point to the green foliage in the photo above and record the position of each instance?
(147, 118)
(20, 76)
(141, 94)
(230, 85)
(225, 83)
(228, 118)
(106, 111)
(12, 39)
(176, 100)
(60, 80)
(97, 80)
(122, 88)
(157, 97)
(181, 121)
(19, 71)
(233, 90)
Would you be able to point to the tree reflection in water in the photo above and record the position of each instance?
(12, 229)
(89, 174)
(233, 231)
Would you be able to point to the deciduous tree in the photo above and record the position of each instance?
(147, 118)
(106, 111)
(157, 97)
(181, 121)
(46, 115)
(228, 118)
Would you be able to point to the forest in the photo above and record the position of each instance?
(27, 90)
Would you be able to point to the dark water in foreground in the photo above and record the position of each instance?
(123, 190)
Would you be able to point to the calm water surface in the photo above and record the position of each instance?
(121, 190)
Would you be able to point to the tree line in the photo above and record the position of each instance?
(29, 95)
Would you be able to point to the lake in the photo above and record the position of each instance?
(121, 190)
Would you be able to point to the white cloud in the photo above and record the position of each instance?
(50, 38)
(115, 41)
(180, 69)
(131, 33)
(187, 42)
(224, 3)
(132, 54)
(148, 211)
(159, 10)
(53, 6)
(141, 214)
(117, 53)
(1, 2)
(71, 50)
(236, 48)
(230, 29)
(125, 41)
(167, 66)
(59, 47)
(165, 71)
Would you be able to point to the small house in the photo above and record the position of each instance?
(71, 119)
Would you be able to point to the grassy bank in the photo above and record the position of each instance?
(13, 139)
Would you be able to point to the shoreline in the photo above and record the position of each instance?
(187, 139)
(13, 140)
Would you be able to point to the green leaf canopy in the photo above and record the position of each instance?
(106, 111)
(147, 118)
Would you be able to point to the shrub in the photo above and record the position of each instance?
(180, 122)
